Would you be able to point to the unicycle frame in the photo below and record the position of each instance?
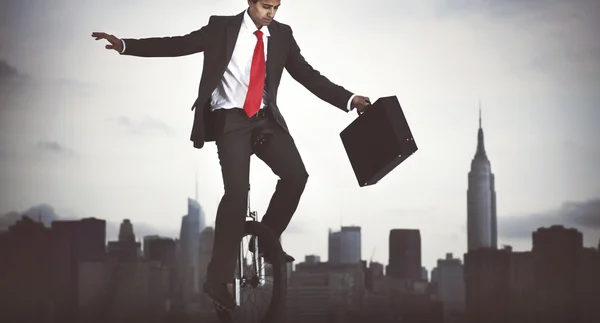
(257, 261)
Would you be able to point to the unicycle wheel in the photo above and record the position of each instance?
(260, 300)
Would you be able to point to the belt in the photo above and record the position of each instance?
(260, 114)
(263, 112)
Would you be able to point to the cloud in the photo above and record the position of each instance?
(511, 8)
(53, 147)
(36, 152)
(6, 70)
(584, 215)
(552, 38)
(10, 82)
(145, 125)
(42, 212)
(47, 214)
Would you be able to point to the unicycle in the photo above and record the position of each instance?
(259, 289)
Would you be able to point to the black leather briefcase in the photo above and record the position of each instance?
(378, 141)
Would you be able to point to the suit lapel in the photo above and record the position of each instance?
(231, 35)
(272, 51)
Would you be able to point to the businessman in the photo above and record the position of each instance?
(244, 58)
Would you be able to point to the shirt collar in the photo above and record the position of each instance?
(249, 25)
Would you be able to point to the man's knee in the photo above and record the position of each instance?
(297, 179)
(236, 193)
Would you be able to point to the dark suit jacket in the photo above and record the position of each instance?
(217, 40)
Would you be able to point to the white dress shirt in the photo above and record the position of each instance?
(231, 91)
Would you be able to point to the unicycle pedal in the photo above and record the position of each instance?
(220, 307)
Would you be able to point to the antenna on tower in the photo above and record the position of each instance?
(479, 113)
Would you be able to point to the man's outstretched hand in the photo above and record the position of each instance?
(361, 103)
(115, 42)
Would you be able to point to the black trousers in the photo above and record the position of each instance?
(234, 146)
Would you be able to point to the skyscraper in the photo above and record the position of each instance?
(450, 280)
(482, 231)
(345, 246)
(189, 244)
(126, 231)
(405, 254)
(126, 248)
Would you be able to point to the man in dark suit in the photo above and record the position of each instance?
(237, 108)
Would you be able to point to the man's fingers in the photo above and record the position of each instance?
(99, 35)
(109, 47)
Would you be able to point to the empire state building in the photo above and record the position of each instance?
(482, 231)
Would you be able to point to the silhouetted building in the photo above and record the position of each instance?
(88, 237)
(405, 254)
(412, 301)
(160, 249)
(146, 242)
(27, 284)
(557, 254)
(324, 292)
(345, 246)
(374, 278)
(424, 274)
(521, 286)
(420, 308)
(450, 285)
(126, 231)
(588, 286)
(482, 231)
(487, 285)
(126, 248)
(189, 249)
(73, 242)
(123, 291)
(312, 259)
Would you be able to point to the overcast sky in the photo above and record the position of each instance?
(95, 134)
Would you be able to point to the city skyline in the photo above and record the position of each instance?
(81, 131)
(508, 286)
(126, 232)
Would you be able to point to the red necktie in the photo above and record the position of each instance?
(257, 78)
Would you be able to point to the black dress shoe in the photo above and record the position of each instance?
(219, 293)
(252, 248)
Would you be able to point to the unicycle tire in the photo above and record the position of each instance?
(269, 243)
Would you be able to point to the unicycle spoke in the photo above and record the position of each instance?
(260, 288)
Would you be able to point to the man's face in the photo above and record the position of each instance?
(263, 11)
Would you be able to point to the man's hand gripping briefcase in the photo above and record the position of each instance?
(378, 141)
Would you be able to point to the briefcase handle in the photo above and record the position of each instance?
(358, 112)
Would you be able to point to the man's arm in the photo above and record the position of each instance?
(313, 81)
(191, 43)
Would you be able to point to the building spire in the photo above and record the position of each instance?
(479, 114)
(480, 145)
